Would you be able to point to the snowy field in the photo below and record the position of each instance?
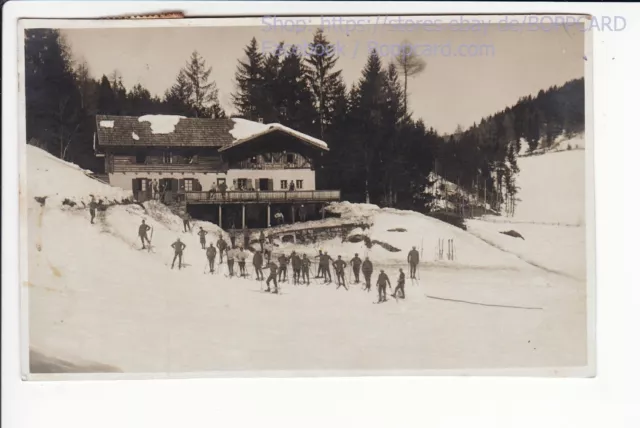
(97, 302)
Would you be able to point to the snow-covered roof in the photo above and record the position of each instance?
(180, 131)
(246, 130)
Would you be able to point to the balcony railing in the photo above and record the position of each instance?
(168, 167)
(275, 196)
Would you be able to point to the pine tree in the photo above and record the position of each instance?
(204, 94)
(273, 108)
(177, 99)
(249, 98)
(326, 83)
(53, 101)
(296, 99)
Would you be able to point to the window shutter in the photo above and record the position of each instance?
(257, 184)
(180, 184)
(196, 185)
(270, 184)
(175, 184)
(135, 185)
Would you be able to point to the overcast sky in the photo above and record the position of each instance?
(459, 88)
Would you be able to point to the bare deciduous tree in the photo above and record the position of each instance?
(409, 64)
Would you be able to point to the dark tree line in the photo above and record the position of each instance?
(378, 152)
(62, 98)
(484, 157)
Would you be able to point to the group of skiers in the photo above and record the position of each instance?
(300, 264)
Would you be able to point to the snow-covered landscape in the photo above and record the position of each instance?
(96, 302)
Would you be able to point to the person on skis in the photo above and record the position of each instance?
(203, 241)
(211, 257)
(327, 262)
(92, 208)
(320, 272)
(242, 261)
(178, 248)
(261, 240)
(413, 258)
(399, 291)
(282, 270)
(257, 264)
(356, 263)
(268, 250)
(339, 266)
(142, 233)
(367, 271)
(305, 263)
(383, 282)
(185, 222)
(222, 246)
(247, 237)
(296, 265)
(230, 260)
(273, 273)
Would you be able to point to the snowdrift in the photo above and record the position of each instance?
(391, 246)
(59, 180)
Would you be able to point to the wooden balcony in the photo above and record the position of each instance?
(261, 197)
(168, 168)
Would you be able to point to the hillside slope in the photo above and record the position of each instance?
(97, 302)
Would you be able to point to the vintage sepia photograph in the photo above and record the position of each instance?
(296, 196)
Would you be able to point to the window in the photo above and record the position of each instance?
(167, 158)
(298, 184)
(242, 183)
(290, 157)
(284, 185)
(188, 184)
(143, 185)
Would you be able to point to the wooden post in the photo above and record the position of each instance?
(220, 216)
(243, 216)
(268, 215)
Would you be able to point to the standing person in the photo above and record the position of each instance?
(273, 271)
(367, 271)
(211, 257)
(247, 237)
(306, 264)
(282, 270)
(222, 246)
(92, 208)
(142, 233)
(268, 250)
(328, 261)
(185, 222)
(279, 217)
(356, 263)
(399, 291)
(232, 235)
(203, 241)
(383, 282)
(296, 265)
(257, 264)
(302, 212)
(413, 258)
(223, 189)
(339, 266)
(292, 186)
(156, 192)
(212, 190)
(230, 260)
(178, 248)
(320, 272)
(261, 240)
(242, 261)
